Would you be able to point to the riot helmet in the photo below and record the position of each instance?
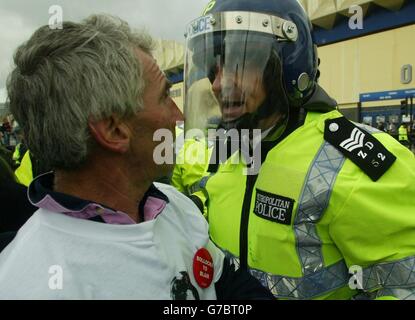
(256, 58)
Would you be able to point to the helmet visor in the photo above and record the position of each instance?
(232, 74)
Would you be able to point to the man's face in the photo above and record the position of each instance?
(159, 112)
(238, 91)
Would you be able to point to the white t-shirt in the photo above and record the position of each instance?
(55, 256)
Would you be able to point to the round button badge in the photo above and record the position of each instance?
(203, 268)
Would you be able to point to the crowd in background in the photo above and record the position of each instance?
(397, 131)
(10, 132)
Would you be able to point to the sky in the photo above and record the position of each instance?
(164, 19)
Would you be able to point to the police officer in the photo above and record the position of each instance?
(329, 212)
(403, 135)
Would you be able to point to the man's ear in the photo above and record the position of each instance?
(111, 133)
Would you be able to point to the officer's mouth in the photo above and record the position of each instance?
(232, 110)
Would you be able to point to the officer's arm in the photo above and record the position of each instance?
(176, 179)
(374, 229)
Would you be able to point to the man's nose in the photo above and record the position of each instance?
(177, 114)
(217, 82)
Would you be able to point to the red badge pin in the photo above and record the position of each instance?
(203, 268)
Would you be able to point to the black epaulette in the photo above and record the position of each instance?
(359, 146)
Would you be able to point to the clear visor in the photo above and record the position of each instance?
(231, 75)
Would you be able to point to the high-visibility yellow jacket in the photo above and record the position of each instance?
(403, 134)
(16, 154)
(311, 216)
(24, 173)
(191, 165)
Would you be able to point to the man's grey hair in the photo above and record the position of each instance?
(64, 77)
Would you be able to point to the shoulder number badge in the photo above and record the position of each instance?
(359, 146)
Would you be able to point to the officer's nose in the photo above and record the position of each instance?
(225, 81)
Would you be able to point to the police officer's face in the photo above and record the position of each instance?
(238, 91)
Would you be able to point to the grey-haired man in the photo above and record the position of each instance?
(89, 98)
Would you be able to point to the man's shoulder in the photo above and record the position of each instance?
(181, 208)
(172, 193)
(21, 244)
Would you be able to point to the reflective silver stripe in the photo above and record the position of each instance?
(395, 279)
(312, 204)
(401, 294)
(324, 281)
(369, 129)
(396, 274)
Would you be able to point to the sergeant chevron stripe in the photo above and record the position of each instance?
(355, 141)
